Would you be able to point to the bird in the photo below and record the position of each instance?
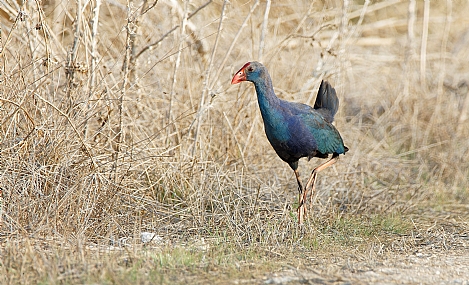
(297, 130)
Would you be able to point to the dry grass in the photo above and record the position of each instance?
(136, 128)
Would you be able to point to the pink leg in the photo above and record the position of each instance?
(301, 201)
(312, 179)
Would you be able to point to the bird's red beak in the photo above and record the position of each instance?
(240, 75)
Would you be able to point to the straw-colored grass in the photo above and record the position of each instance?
(122, 120)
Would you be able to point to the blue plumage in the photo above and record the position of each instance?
(296, 130)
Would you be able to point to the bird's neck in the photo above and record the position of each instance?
(272, 115)
(266, 97)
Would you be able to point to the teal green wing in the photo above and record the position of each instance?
(326, 136)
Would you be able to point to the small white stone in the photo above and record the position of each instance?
(147, 237)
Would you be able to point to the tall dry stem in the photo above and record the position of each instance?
(66, 222)
(155, 43)
(233, 43)
(32, 41)
(176, 69)
(410, 52)
(94, 22)
(265, 25)
(423, 47)
(72, 55)
(130, 35)
(442, 69)
(144, 8)
(206, 84)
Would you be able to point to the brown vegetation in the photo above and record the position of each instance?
(121, 120)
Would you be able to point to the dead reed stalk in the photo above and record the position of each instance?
(176, 150)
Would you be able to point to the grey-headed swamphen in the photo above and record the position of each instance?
(297, 130)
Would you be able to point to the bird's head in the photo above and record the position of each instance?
(251, 71)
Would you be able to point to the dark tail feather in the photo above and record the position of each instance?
(327, 102)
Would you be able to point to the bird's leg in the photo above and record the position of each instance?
(312, 179)
(301, 200)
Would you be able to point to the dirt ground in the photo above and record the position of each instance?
(444, 267)
(124, 121)
(436, 251)
(450, 267)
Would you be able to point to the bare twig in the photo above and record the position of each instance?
(145, 9)
(133, 41)
(442, 68)
(71, 60)
(94, 59)
(207, 80)
(45, 34)
(157, 42)
(125, 74)
(360, 20)
(409, 65)
(464, 113)
(410, 52)
(443, 48)
(19, 106)
(148, 47)
(234, 41)
(85, 147)
(238, 145)
(94, 52)
(344, 18)
(31, 41)
(264, 29)
(176, 68)
(283, 43)
(423, 47)
(358, 13)
(7, 40)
